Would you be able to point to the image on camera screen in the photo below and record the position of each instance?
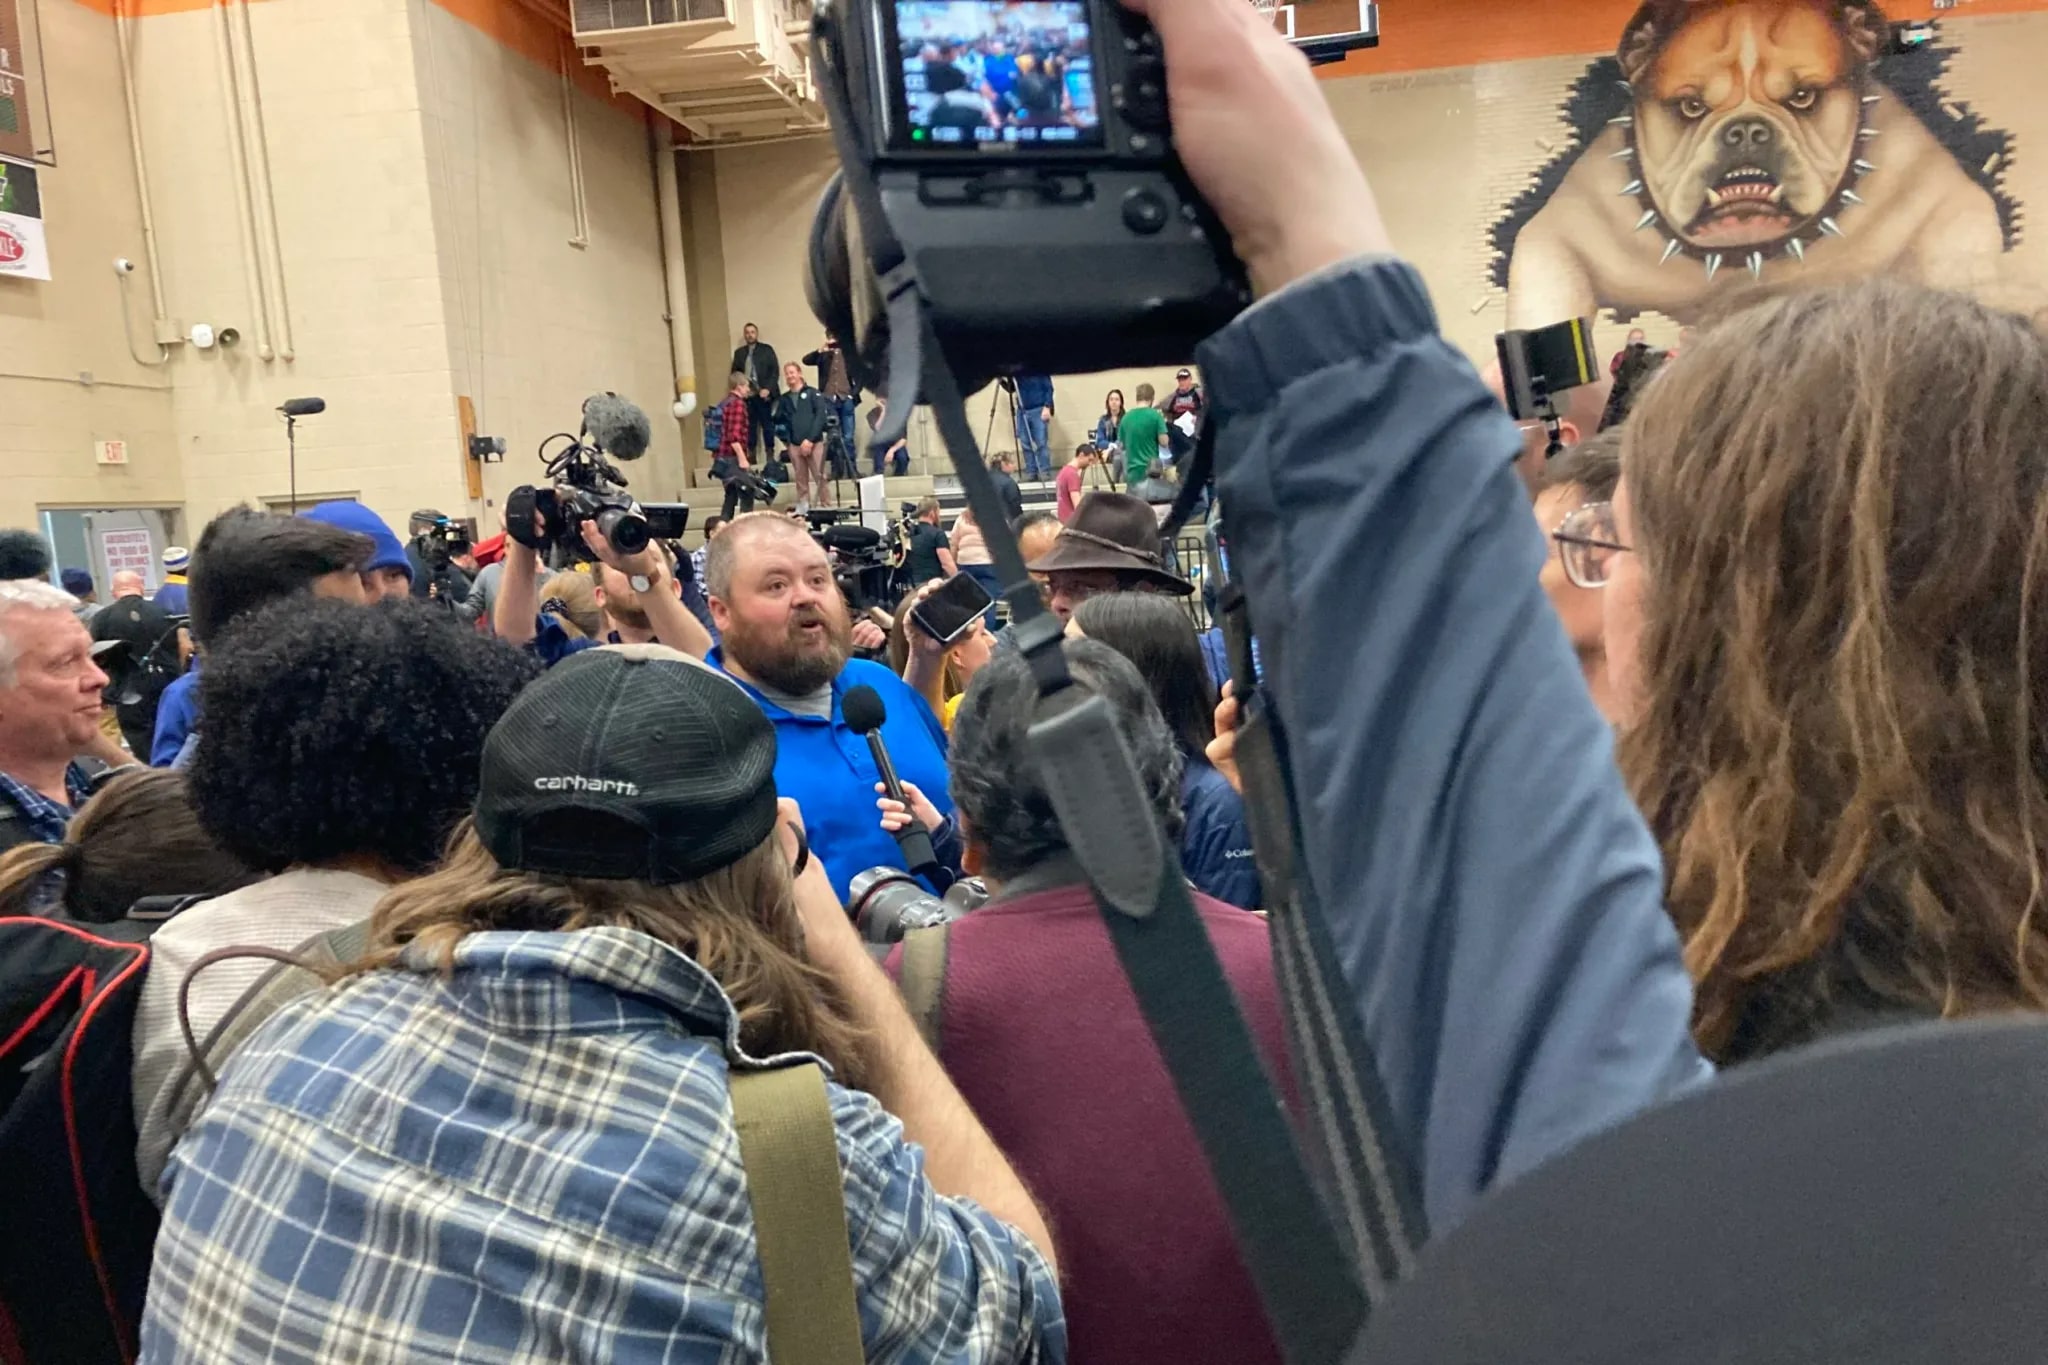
(981, 73)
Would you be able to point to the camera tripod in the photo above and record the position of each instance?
(839, 462)
(1005, 392)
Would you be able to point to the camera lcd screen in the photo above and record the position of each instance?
(981, 75)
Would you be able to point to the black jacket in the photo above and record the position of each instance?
(821, 361)
(801, 415)
(1012, 496)
(767, 370)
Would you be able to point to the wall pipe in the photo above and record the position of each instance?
(578, 205)
(238, 154)
(252, 92)
(675, 284)
(149, 251)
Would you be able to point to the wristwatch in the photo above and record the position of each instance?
(640, 582)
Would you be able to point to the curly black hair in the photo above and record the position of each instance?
(331, 731)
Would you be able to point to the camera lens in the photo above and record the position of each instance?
(626, 530)
(887, 903)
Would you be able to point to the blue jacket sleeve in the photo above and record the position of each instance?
(1493, 894)
(176, 710)
(1216, 848)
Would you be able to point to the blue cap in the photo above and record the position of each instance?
(77, 582)
(353, 516)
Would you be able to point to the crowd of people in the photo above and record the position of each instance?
(1699, 730)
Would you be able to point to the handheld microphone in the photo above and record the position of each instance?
(616, 426)
(302, 407)
(864, 712)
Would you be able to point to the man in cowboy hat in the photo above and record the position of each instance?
(1111, 545)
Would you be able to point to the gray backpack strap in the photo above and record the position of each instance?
(304, 970)
(922, 982)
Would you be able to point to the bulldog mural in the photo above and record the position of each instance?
(1752, 140)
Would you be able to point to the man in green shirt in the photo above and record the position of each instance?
(1142, 434)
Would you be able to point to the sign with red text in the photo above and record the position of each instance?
(23, 251)
(127, 549)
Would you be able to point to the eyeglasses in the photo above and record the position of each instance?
(1587, 543)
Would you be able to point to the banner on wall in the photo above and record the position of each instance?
(23, 251)
(17, 138)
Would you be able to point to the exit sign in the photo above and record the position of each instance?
(111, 452)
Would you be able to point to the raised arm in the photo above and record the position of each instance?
(1494, 897)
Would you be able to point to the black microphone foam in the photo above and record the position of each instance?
(302, 407)
(617, 426)
(863, 709)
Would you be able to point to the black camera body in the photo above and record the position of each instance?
(1052, 228)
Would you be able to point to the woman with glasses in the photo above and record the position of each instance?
(1572, 508)
(1826, 583)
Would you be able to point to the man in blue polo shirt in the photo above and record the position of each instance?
(787, 638)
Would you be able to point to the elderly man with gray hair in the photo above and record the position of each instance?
(49, 712)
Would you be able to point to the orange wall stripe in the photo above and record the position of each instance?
(1420, 35)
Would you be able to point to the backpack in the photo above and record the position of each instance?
(76, 1229)
(714, 426)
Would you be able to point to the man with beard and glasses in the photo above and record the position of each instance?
(787, 639)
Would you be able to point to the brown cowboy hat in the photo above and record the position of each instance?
(1112, 531)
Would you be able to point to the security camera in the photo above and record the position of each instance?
(123, 266)
(228, 336)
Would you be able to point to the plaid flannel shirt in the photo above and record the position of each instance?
(533, 1159)
(46, 820)
(734, 429)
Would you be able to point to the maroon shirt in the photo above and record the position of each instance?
(1044, 1038)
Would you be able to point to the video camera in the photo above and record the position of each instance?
(587, 487)
(864, 560)
(440, 538)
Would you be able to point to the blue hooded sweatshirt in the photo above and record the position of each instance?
(353, 516)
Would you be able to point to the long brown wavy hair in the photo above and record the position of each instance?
(1839, 498)
(739, 923)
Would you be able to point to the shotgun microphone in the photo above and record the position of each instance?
(864, 712)
(302, 407)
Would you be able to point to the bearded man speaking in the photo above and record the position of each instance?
(787, 639)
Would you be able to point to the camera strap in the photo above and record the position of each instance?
(1298, 1262)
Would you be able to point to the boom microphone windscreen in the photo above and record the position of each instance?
(302, 407)
(617, 426)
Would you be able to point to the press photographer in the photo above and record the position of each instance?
(587, 516)
(442, 553)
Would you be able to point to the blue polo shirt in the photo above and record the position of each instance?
(826, 768)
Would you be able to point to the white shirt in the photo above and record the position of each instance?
(282, 912)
